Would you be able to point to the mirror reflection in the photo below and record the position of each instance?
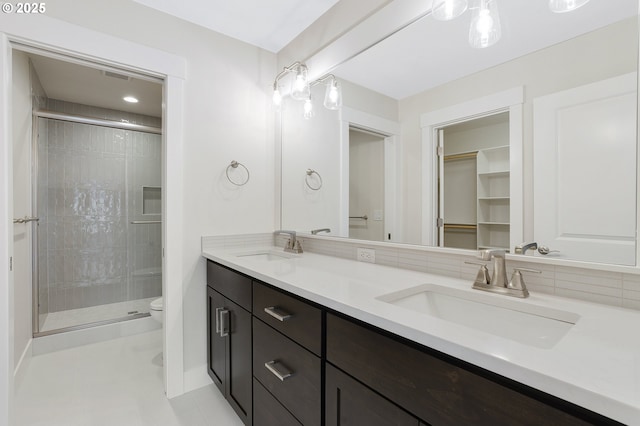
(472, 196)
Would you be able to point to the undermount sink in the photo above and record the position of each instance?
(515, 320)
(267, 255)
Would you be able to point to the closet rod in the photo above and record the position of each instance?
(459, 226)
(461, 156)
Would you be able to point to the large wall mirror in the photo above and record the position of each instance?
(441, 144)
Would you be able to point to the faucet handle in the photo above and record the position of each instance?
(517, 282)
(483, 276)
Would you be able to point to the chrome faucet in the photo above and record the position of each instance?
(523, 247)
(293, 245)
(316, 231)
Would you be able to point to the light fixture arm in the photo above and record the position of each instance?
(323, 79)
(286, 70)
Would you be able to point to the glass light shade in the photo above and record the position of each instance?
(333, 95)
(445, 10)
(277, 97)
(308, 109)
(300, 89)
(561, 6)
(485, 25)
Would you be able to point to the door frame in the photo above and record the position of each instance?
(509, 100)
(83, 44)
(350, 117)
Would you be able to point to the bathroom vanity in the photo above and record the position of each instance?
(331, 345)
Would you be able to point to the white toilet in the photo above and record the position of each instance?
(155, 309)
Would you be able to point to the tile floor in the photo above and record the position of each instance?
(80, 316)
(116, 382)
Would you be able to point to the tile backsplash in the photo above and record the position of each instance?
(600, 286)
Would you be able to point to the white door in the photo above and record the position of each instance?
(585, 171)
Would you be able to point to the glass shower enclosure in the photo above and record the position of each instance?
(98, 242)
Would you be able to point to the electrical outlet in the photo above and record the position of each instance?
(366, 255)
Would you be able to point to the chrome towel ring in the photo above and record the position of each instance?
(310, 173)
(234, 165)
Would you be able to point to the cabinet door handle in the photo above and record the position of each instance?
(218, 320)
(224, 322)
(278, 314)
(280, 373)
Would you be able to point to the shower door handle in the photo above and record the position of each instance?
(26, 219)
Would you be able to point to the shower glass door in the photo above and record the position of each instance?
(98, 243)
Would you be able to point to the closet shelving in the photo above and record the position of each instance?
(493, 198)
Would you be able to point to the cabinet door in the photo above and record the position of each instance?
(216, 345)
(348, 402)
(239, 365)
(268, 411)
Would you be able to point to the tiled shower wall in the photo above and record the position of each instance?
(93, 177)
(620, 289)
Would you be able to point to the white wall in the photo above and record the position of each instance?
(310, 144)
(22, 232)
(225, 118)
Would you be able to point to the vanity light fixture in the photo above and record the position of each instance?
(300, 88)
(561, 6)
(485, 25)
(308, 109)
(130, 99)
(446, 10)
(333, 94)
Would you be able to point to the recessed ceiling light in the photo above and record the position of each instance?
(130, 99)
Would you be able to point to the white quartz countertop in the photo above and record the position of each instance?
(596, 365)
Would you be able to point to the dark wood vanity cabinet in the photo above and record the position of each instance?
(229, 339)
(348, 402)
(437, 390)
(282, 360)
(287, 343)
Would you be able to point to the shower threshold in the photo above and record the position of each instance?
(78, 319)
(91, 324)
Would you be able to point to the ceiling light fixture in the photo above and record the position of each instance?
(561, 6)
(485, 29)
(130, 99)
(446, 10)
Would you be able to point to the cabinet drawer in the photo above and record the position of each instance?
(229, 283)
(299, 393)
(267, 411)
(298, 320)
(431, 388)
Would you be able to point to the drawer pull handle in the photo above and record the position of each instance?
(279, 373)
(277, 313)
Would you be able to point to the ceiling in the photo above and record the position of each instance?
(71, 82)
(429, 53)
(269, 24)
(411, 61)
